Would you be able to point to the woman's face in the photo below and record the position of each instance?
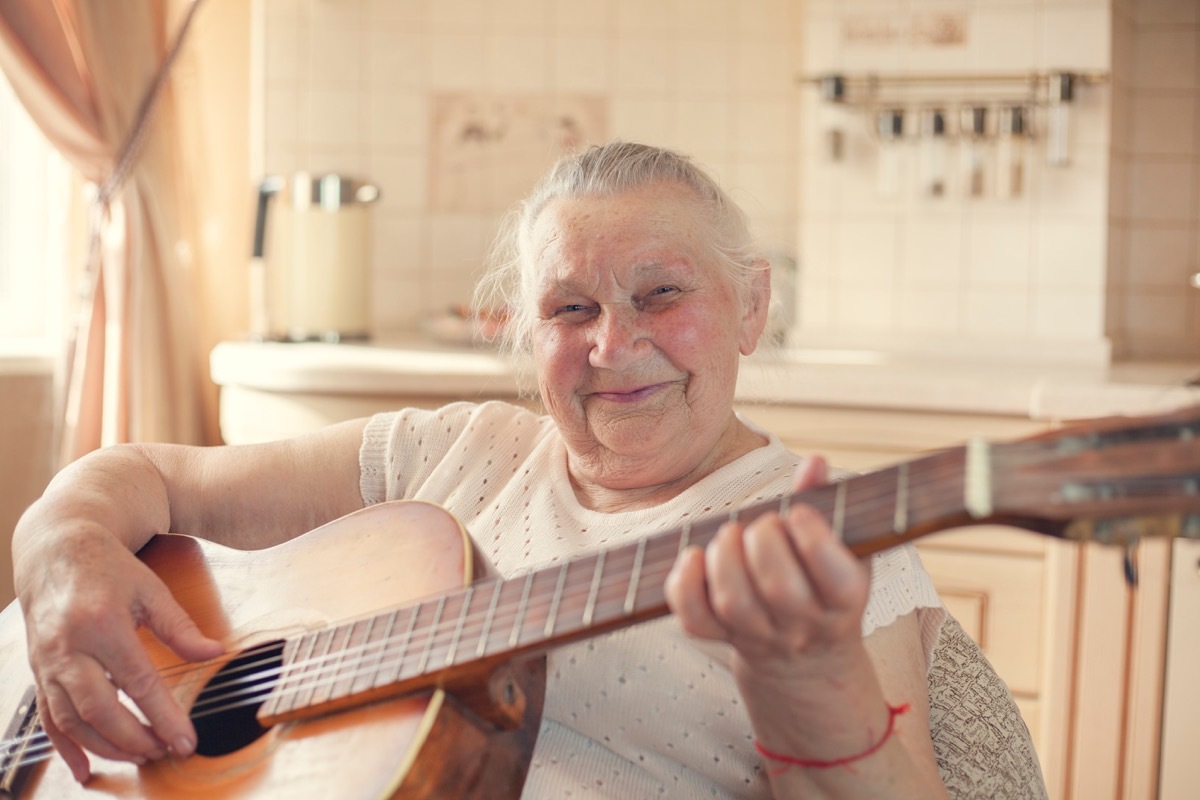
(638, 336)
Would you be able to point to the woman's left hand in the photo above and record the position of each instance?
(781, 589)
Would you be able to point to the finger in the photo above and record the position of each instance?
(172, 626)
(776, 572)
(731, 593)
(687, 596)
(840, 581)
(812, 471)
(73, 754)
(176, 629)
(81, 715)
(133, 672)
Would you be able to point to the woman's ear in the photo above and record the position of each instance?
(757, 306)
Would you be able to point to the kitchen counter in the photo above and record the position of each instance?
(826, 378)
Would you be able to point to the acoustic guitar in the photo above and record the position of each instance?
(365, 659)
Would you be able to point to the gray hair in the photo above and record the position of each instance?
(605, 170)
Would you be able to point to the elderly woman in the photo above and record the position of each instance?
(788, 669)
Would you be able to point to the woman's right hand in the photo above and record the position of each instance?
(83, 604)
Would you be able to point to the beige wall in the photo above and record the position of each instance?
(26, 439)
(371, 89)
(1090, 257)
(989, 275)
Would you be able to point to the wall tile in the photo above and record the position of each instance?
(516, 62)
(397, 120)
(765, 128)
(456, 61)
(702, 68)
(1157, 314)
(866, 310)
(1162, 190)
(1164, 124)
(1160, 258)
(580, 63)
(930, 310)
(1166, 12)
(1068, 315)
(336, 120)
(701, 126)
(593, 17)
(1000, 251)
(932, 252)
(397, 60)
(997, 312)
(1076, 37)
(519, 16)
(457, 16)
(1004, 39)
(1069, 252)
(1165, 59)
(643, 66)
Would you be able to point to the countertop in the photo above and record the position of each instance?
(807, 377)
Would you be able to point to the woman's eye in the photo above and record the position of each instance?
(570, 309)
(661, 293)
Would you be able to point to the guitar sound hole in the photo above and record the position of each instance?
(224, 713)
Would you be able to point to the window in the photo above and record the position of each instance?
(35, 186)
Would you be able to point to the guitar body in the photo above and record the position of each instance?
(423, 746)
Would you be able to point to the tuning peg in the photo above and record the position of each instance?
(1130, 564)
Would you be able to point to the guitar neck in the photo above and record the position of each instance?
(459, 635)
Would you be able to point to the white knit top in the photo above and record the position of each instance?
(645, 712)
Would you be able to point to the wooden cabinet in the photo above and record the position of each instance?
(1080, 650)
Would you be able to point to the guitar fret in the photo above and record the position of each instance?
(384, 640)
(637, 574)
(320, 651)
(590, 608)
(839, 510)
(350, 655)
(291, 685)
(462, 618)
(900, 520)
(360, 677)
(515, 636)
(552, 617)
(333, 667)
(432, 635)
(487, 622)
(406, 640)
(685, 537)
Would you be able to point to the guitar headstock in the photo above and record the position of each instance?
(1113, 480)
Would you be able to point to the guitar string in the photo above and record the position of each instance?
(430, 643)
(250, 694)
(860, 503)
(255, 693)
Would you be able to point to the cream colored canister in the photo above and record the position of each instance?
(312, 240)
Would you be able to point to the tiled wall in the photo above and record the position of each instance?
(1090, 261)
(1154, 242)
(987, 276)
(350, 86)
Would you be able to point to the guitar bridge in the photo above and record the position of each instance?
(16, 762)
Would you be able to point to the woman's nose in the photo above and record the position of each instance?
(616, 339)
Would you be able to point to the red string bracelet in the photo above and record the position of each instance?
(820, 763)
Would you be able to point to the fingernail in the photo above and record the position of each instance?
(183, 746)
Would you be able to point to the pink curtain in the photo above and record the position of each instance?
(85, 70)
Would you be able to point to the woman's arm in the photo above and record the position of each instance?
(790, 598)
(84, 593)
